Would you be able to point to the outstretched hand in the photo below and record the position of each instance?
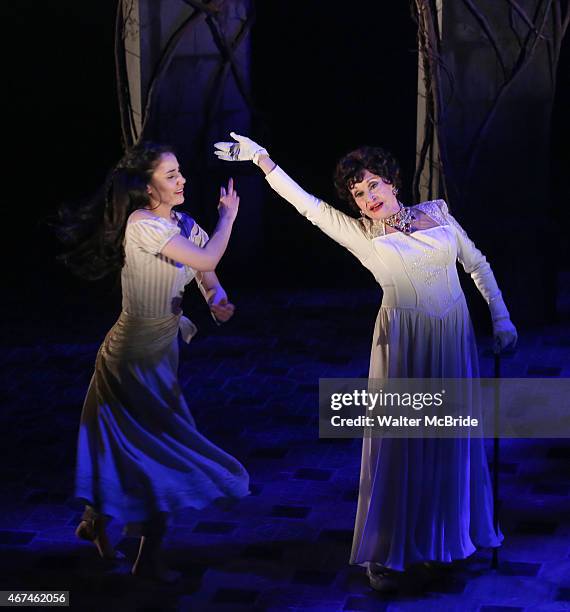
(243, 149)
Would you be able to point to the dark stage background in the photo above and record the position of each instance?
(325, 82)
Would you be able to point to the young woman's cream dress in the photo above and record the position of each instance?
(419, 499)
(139, 452)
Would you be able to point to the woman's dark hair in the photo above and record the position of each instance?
(94, 231)
(351, 168)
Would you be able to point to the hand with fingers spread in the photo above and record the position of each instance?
(229, 202)
(243, 149)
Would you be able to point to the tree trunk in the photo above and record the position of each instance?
(493, 81)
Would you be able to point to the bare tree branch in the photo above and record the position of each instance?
(210, 12)
(548, 25)
(209, 8)
(522, 14)
(524, 60)
(513, 27)
(128, 129)
(488, 32)
(164, 61)
(227, 51)
(429, 42)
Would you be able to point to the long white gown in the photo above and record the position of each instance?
(419, 499)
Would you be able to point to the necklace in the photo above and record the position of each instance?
(401, 220)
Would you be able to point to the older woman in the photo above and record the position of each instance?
(420, 500)
(139, 455)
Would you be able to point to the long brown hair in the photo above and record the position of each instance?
(94, 231)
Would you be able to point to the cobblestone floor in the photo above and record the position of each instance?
(252, 386)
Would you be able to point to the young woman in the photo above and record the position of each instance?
(420, 500)
(140, 456)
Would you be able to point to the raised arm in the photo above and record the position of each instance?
(206, 258)
(342, 228)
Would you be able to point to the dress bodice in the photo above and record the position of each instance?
(416, 270)
(152, 284)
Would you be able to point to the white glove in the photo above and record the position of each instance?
(504, 332)
(244, 149)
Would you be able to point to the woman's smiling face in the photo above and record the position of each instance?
(167, 183)
(374, 197)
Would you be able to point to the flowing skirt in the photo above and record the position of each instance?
(139, 452)
(424, 499)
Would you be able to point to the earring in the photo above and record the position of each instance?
(395, 190)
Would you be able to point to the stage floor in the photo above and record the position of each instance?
(252, 386)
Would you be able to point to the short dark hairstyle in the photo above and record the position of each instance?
(350, 170)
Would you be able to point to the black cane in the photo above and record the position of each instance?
(496, 502)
